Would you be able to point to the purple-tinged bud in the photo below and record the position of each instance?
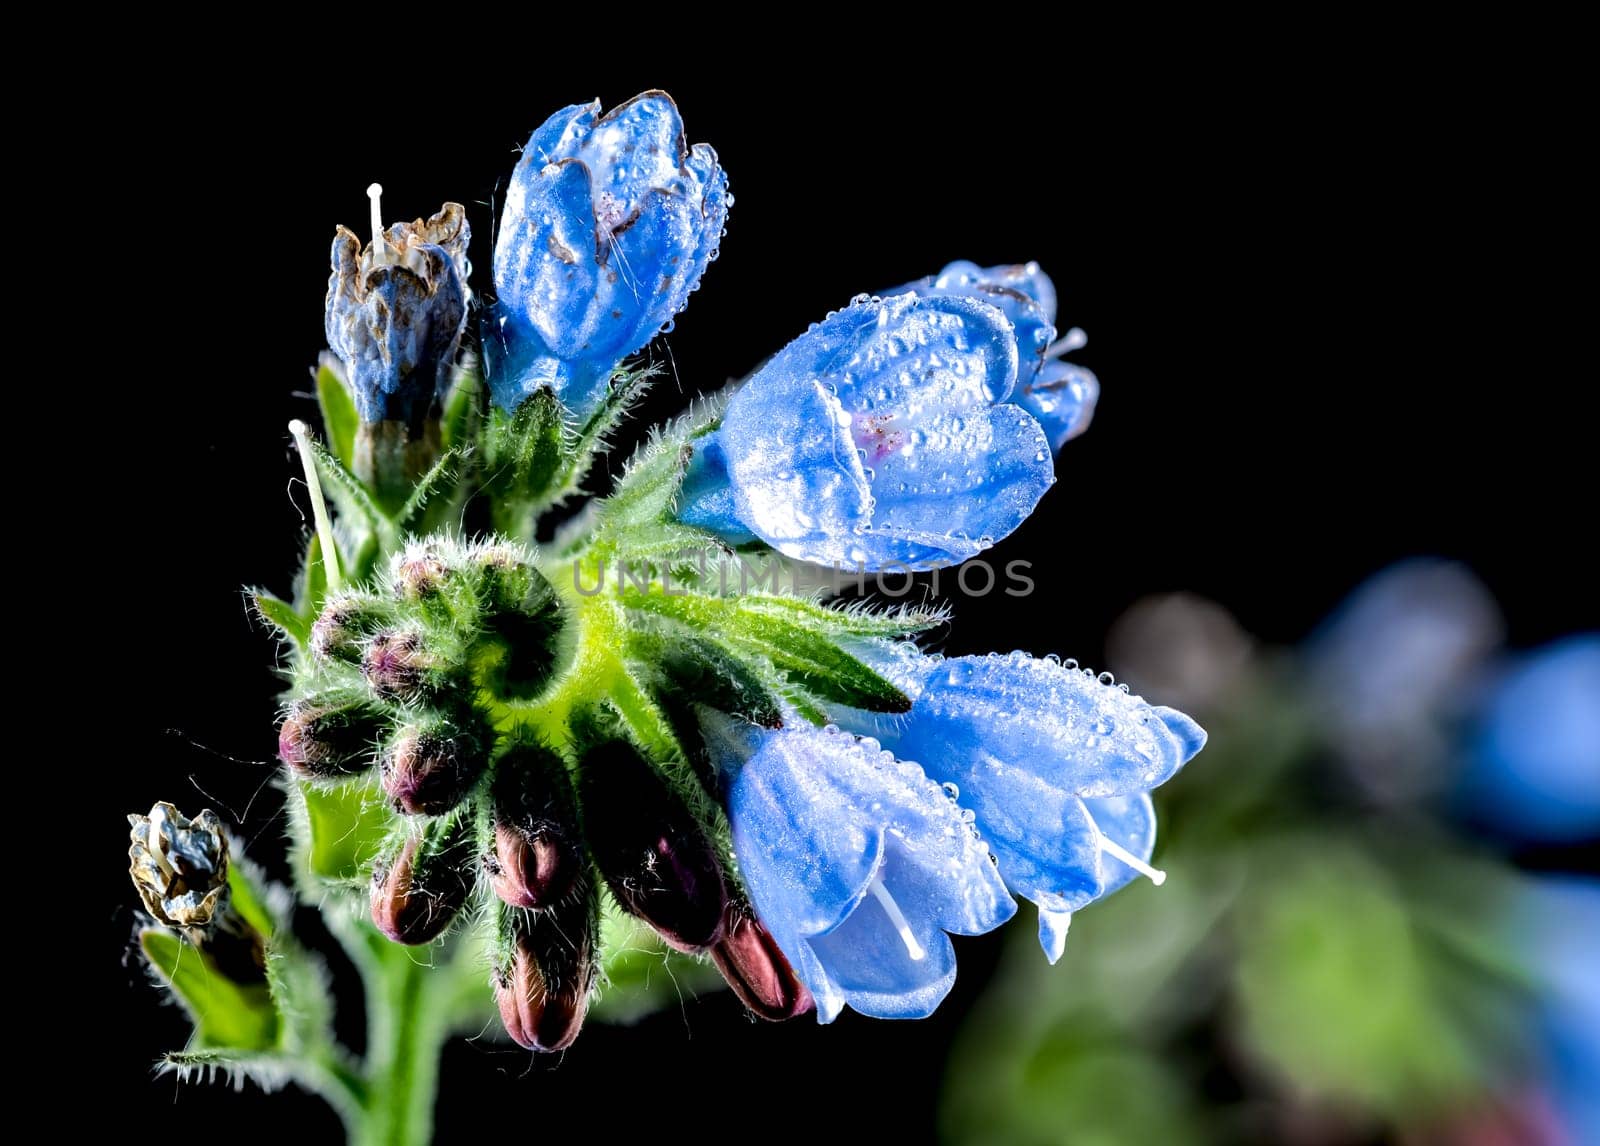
(396, 665)
(340, 631)
(417, 891)
(330, 736)
(545, 971)
(419, 573)
(538, 849)
(656, 858)
(756, 971)
(429, 767)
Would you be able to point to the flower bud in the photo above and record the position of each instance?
(397, 667)
(538, 851)
(417, 891)
(430, 766)
(328, 736)
(756, 971)
(654, 855)
(545, 971)
(341, 629)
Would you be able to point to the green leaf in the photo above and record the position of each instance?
(843, 621)
(261, 904)
(282, 616)
(346, 826)
(808, 659)
(339, 417)
(225, 1013)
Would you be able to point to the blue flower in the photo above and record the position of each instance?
(608, 224)
(880, 436)
(395, 312)
(859, 864)
(1534, 771)
(1055, 762)
(1061, 394)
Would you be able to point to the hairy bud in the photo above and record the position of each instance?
(396, 665)
(545, 969)
(340, 631)
(430, 766)
(538, 851)
(756, 971)
(654, 855)
(328, 736)
(419, 888)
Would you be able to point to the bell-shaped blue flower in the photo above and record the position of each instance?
(859, 865)
(1055, 762)
(609, 222)
(1534, 769)
(1060, 394)
(395, 312)
(882, 435)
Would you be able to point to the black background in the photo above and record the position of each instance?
(1332, 321)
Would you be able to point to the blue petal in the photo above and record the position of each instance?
(1131, 822)
(1078, 734)
(807, 850)
(898, 393)
(960, 483)
(705, 499)
(559, 137)
(869, 964)
(797, 481)
(826, 828)
(1053, 927)
(1062, 397)
(636, 147)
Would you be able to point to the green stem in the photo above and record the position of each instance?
(406, 1030)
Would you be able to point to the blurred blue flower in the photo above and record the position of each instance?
(1060, 394)
(1557, 924)
(395, 312)
(1534, 769)
(609, 222)
(859, 864)
(1055, 762)
(881, 435)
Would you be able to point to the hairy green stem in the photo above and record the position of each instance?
(406, 1030)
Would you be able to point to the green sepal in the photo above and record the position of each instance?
(282, 616)
(807, 659)
(226, 1014)
(648, 488)
(340, 829)
(339, 417)
(435, 489)
(687, 669)
(462, 410)
(525, 461)
(357, 511)
(853, 620)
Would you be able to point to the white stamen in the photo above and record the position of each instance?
(1116, 850)
(379, 247)
(892, 910)
(319, 508)
(1074, 339)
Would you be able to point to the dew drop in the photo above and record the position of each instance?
(951, 790)
(1106, 679)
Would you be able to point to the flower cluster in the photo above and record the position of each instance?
(504, 761)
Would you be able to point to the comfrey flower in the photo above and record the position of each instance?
(859, 864)
(1055, 762)
(608, 224)
(882, 435)
(1061, 394)
(396, 308)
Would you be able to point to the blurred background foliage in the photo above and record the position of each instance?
(1347, 950)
